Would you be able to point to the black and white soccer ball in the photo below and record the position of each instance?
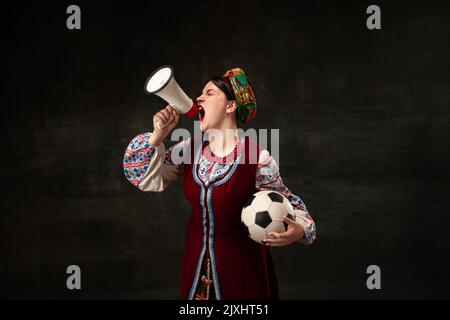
(264, 212)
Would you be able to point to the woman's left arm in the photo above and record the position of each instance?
(303, 228)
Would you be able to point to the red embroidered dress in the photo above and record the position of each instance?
(220, 261)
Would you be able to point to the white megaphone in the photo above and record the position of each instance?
(163, 84)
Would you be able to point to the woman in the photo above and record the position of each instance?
(220, 261)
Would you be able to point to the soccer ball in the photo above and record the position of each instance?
(264, 212)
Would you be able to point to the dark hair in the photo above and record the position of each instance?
(224, 85)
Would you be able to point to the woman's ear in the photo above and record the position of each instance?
(231, 107)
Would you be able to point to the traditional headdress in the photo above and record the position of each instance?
(245, 96)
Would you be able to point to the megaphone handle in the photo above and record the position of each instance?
(158, 125)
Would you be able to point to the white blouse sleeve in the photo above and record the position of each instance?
(152, 168)
(268, 178)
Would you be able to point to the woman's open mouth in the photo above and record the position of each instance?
(201, 113)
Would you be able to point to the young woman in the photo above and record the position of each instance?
(220, 261)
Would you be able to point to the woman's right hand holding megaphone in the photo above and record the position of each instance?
(163, 122)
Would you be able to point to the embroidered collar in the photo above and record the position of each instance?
(211, 157)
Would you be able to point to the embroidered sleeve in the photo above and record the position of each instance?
(268, 178)
(152, 168)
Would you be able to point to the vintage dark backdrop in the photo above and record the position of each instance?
(363, 117)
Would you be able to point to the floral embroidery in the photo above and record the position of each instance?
(139, 153)
(211, 171)
(212, 168)
(268, 178)
(207, 153)
(137, 158)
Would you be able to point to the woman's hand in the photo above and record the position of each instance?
(294, 233)
(163, 122)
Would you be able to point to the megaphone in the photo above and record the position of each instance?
(163, 84)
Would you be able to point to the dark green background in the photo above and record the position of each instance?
(364, 141)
